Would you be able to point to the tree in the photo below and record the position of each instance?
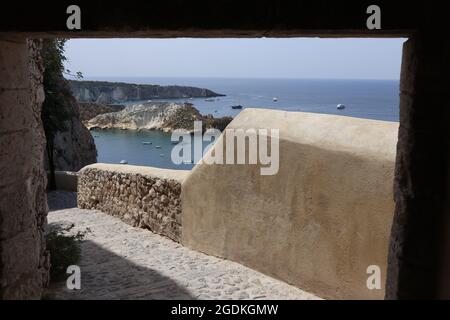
(57, 108)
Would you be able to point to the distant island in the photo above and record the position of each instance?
(119, 92)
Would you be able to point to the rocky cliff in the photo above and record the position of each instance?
(74, 147)
(116, 92)
(156, 116)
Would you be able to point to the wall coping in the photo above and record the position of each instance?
(178, 175)
(361, 137)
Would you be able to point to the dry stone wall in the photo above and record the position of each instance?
(140, 196)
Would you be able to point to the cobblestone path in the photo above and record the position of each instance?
(122, 262)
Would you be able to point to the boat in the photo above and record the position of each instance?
(175, 142)
(236, 107)
(340, 106)
(275, 99)
(123, 162)
(146, 142)
(158, 147)
(209, 99)
(161, 154)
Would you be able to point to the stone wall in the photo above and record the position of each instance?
(318, 223)
(24, 262)
(419, 253)
(143, 197)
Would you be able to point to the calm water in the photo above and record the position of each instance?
(371, 99)
(114, 146)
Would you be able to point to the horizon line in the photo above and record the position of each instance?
(238, 77)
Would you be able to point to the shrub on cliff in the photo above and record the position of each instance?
(57, 108)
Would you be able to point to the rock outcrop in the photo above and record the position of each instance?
(117, 92)
(156, 116)
(89, 110)
(74, 147)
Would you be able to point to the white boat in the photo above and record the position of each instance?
(161, 154)
(146, 142)
(340, 106)
(158, 147)
(123, 162)
(275, 99)
(209, 99)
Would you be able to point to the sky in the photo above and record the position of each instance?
(353, 58)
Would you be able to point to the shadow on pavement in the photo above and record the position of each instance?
(105, 275)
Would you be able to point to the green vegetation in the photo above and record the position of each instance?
(57, 108)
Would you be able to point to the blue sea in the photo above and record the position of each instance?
(370, 99)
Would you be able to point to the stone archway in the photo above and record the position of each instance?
(418, 251)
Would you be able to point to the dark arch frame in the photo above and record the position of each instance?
(418, 253)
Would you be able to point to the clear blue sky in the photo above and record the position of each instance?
(251, 58)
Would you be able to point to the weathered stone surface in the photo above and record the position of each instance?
(141, 196)
(419, 257)
(74, 147)
(24, 262)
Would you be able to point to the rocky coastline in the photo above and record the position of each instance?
(119, 92)
(165, 116)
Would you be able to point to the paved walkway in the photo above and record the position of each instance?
(122, 262)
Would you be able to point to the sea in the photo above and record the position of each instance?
(369, 99)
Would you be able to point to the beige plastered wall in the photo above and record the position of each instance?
(318, 223)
